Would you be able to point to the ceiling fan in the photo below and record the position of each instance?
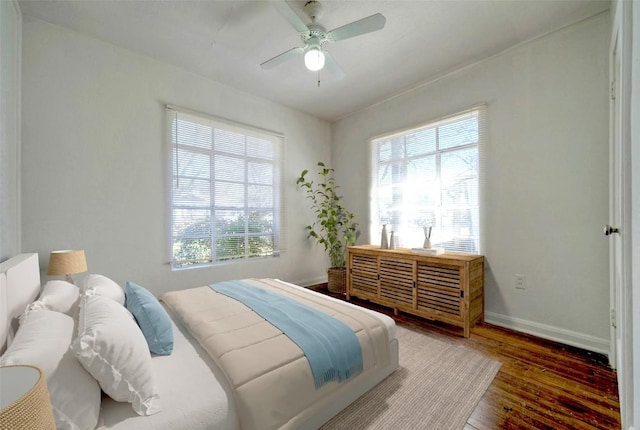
(315, 36)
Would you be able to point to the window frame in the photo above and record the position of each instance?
(278, 226)
(375, 220)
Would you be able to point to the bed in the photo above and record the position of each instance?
(194, 391)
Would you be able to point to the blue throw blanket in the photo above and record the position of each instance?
(331, 346)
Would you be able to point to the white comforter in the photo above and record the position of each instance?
(269, 374)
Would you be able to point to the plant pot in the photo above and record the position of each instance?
(337, 279)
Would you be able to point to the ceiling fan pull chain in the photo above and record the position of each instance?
(318, 78)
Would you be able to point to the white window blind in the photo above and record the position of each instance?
(429, 176)
(225, 190)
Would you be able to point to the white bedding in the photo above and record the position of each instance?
(193, 394)
(193, 390)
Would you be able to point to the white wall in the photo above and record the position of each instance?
(10, 36)
(94, 161)
(546, 178)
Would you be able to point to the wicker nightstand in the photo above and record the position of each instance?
(24, 399)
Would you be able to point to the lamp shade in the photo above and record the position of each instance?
(67, 262)
(314, 59)
(24, 399)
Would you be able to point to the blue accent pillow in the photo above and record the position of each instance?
(151, 317)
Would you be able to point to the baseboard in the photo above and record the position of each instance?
(568, 337)
(311, 281)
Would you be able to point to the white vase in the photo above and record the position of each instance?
(427, 238)
(384, 242)
(392, 241)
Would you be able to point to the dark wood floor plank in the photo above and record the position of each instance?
(541, 385)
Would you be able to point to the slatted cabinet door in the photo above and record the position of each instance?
(363, 276)
(397, 282)
(439, 291)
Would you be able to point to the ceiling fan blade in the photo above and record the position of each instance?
(281, 58)
(332, 67)
(356, 28)
(290, 15)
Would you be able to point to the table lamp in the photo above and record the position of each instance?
(67, 262)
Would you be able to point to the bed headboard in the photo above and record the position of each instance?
(19, 286)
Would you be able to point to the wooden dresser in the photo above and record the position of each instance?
(448, 287)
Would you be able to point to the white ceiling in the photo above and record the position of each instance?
(227, 40)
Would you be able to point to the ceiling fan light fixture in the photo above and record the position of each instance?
(314, 59)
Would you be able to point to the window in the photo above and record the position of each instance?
(224, 191)
(429, 177)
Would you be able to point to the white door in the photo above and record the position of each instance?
(619, 228)
(615, 198)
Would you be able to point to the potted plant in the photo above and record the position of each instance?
(334, 227)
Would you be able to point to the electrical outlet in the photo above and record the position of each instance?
(521, 282)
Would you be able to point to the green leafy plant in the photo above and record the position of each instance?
(334, 227)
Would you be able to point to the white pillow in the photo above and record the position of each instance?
(59, 296)
(112, 348)
(43, 340)
(100, 285)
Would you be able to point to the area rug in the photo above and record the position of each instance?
(437, 386)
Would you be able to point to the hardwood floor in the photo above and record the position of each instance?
(541, 384)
